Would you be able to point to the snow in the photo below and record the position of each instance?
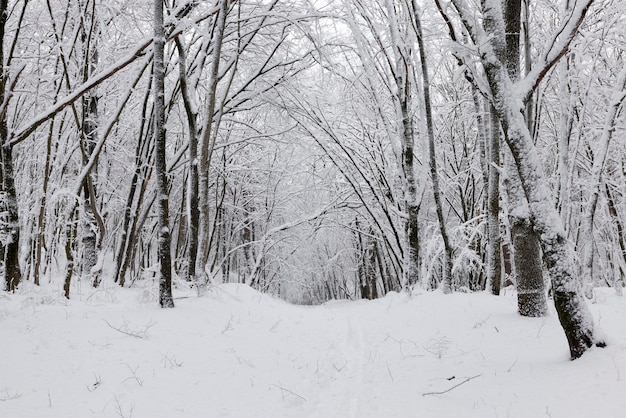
(233, 352)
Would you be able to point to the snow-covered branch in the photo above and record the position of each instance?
(558, 48)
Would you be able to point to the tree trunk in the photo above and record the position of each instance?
(11, 226)
(494, 246)
(165, 257)
(92, 224)
(402, 74)
(192, 193)
(507, 97)
(206, 140)
(12, 271)
(531, 299)
(446, 282)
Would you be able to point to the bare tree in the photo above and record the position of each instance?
(164, 234)
(531, 294)
(446, 281)
(8, 198)
(507, 96)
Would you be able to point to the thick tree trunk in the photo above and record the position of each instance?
(165, 257)
(531, 299)
(494, 246)
(12, 271)
(571, 307)
(11, 228)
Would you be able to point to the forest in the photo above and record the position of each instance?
(317, 150)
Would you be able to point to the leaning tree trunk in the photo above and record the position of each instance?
(165, 257)
(507, 97)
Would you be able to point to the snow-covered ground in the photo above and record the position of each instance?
(236, 353)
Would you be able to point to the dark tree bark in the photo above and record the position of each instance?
(164, 234)
(531, 297)
(10, 225)
(494, 247)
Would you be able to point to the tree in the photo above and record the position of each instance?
(164, 234)
(446, 281)
(207, 138)
(507, 98)
(8, 198)
(531, 294)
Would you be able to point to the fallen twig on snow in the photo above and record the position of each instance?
(453, 387)
(283, 390)
(124, 329)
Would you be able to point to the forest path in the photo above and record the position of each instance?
(237, 353)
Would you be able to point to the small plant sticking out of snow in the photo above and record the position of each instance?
(96, 384)
(438, 346)
(125, 328)
(9, 396)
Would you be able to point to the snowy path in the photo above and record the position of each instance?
(236, 353)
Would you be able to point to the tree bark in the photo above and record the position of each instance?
(401, 73)
(494, 246)
(207, 139)
(572, 310)
(531, 298)
(446, 281)
(11, 226)
(192, 193)
(89, 133)
(164, 234)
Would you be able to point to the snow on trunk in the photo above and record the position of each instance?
(507, 98)
(165, 257)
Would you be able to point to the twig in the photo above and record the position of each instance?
(453, 387)
(133, 333)
(228, 326)
(389, 371)
(94, 385)
(8, 396)
(282, 389)
(134, 376)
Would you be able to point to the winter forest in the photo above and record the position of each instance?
(304, 152)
